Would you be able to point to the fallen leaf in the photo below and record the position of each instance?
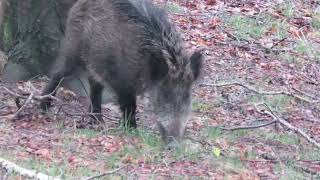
(211, 2)
(44, 153)
(216, 151)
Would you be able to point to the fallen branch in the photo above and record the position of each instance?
(12, 116)
(263, 92)
(28, 98)
(278, 42)
(38, 98)
(276, 119)
(285, 123)
(105, 174)
(10, 166)
(304, 93)
(249, 127)
(92, 114)
(306, 169)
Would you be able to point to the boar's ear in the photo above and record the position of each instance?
(196, 63)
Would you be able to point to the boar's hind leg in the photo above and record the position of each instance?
(95, 95)
(127, 101)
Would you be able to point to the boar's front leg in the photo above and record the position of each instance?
(50, 88)
(66, 63)
(127, 101)
(96, 96)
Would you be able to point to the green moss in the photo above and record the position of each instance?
(7, 33)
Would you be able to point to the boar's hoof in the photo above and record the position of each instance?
(45, 105)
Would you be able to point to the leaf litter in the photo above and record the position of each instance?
(240, 45)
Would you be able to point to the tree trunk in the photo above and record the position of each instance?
(30, 33)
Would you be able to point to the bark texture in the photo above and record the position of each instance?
(30, 33)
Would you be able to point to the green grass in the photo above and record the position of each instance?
(283, 138)
(201, 107)
(233, 136)
(230, 160)
(188, 150)
(278, 103)
(281, 27)
(309, 154)
(149, 139)
(302, 46)
(113, 160)
(147, 145)
(229, 165)
(315, 21)
(288, 57)
(87, 133)
(149, 148)
(214, 133)
(174, 7)
(307, 47)
(257, 27)
(287, 8)
(290, 172)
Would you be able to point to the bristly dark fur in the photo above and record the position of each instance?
(130, 46)
(159, 32)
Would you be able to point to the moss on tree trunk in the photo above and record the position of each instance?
(30, 34)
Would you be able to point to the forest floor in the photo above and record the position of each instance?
(262, 64)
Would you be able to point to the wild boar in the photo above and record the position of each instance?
(131, 46)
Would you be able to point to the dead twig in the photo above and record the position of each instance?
(269, 112)
(304, 93)
(4, 106)
(276, 120)
(12, 116)
(249, 127)
(263, 92)
(278, 42)
(91, 114)
(105, 174)
(28, 98)
(38, 98)
(305, 169)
